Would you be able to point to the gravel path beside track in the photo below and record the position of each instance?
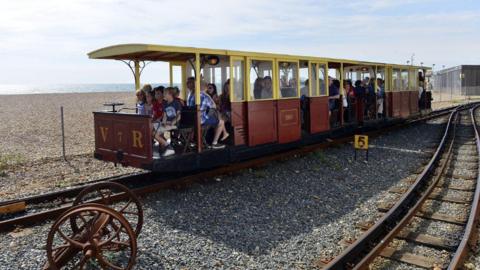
(285, 215)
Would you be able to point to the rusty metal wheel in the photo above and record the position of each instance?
(105, 239)
(117, 197)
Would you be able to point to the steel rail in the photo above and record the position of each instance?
(369, 245)
(75, 189)
(470, 235)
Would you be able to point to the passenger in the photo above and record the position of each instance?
(349, 91)
(173, 108)
(333, 93)
(141, 100)
(322, 86)
(177, 96)
(210, 117)
(257, 88)
(159, 93)
(359, 91)
(225, 105)
(147, 88)
(350, 96)
(191, 91)
(380, 97)
(150, 97)
(157, 105)
(168, 121)
(369, 97)
(267, 91)
(212, 92)
(304, 89)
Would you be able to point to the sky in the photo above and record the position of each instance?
(44, 42)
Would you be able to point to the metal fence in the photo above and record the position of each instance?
(458, 81)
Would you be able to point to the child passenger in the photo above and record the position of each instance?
(170, 119)
(177, 96)
(141, 100)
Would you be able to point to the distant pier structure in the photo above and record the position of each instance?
(461, 80)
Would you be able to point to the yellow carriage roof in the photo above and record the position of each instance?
(153, 52)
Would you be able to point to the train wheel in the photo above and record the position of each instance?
(126, 202)
(105, 239)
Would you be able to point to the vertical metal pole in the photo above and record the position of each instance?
(197, 101)
(137, 74)
(63, 134)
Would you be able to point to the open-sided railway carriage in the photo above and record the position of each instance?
(295, 113)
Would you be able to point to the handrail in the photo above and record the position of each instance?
(462, 249)
(354, 256)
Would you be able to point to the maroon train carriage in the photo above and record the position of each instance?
(294, 109)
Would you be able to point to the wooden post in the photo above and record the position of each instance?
(63, 134)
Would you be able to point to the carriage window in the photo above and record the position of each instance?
(396, 80)
(304, 80)
(413, 78)
(314, 79)
(322, 80)
(177, 78)
(216, 74)
(404, 83)
(238, 80)
(261, 86)
(287, 75)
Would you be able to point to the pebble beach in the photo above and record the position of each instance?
(31, 143)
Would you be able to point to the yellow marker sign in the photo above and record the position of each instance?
(361, 142)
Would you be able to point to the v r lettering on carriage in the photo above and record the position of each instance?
(104, 132)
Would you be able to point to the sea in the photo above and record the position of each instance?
(26, 89)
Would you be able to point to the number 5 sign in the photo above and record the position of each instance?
(361, 142)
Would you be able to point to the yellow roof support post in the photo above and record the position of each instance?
(170, 73)
(137, 74)
(310, 79)
(342, 93)
(197, 102)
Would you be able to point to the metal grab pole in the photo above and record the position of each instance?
(63, 133)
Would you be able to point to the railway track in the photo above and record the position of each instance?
(399, 239)
(50, 205)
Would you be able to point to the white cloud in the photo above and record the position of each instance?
(47, 41)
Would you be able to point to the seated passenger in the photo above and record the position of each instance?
(191, 91)
(257, 88)
(150, 98)
(147, 88)
(267, 91)
(170, 119)
(141, 100)
(159, 103)
(212, 92)
(177, 96)
(172, 110)
(225, 106)
(159, 93)
(210, 117)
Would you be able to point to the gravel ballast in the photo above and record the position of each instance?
(286, 215)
